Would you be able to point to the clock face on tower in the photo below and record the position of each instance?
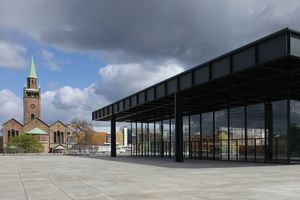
(32, 106)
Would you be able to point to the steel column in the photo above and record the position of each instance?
(113, 136)
(178, 127)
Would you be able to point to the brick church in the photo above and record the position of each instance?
(53, 137)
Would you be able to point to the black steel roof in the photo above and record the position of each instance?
(267, 69)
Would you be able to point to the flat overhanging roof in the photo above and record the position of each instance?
(265, 70)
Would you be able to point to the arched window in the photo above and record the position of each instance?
(17, 133)
(12, 133)
(8, 134)
(62, 137)
(32, 116)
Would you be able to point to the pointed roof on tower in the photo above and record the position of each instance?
(32, 71)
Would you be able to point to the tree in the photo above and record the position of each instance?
(23, 144)
(81, 133)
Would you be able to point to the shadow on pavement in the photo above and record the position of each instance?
(170, 162)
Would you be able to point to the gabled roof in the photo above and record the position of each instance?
(37, 119)
(58, 121)
(59, 147)
(37, 131)
(32, 71)
(13, 120)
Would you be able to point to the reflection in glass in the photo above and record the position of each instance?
(139, 139)
(294, 130)
(151, 139)
(221, 135)
(159, 138)
(195, 145)
(133, 147)
(173, 139)
(207, 135)
(256, 132)
(166, 138)
(237, 133)
(185, 126)
(279, 140)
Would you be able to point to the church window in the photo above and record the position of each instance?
(12, 133)
(62, 137)
(17, 133)
(8, 134)
(32, 116)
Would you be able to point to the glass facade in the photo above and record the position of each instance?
(264, 132)
(294, 131)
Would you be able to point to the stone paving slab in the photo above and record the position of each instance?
(94, 178)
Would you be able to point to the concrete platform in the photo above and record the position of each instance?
(67, 177)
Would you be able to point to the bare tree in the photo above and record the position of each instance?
(81, 133)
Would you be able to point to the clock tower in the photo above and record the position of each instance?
(31, 96)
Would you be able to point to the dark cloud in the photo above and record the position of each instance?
(191, 31)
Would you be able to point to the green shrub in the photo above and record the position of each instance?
(23, 144)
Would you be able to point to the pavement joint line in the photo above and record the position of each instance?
(110, 195)
(20, 175)
(56, 185)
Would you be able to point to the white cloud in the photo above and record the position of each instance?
(12, 55)
(10, 106)
(47, 55)
(120, 80)
(49, 59)
(68, 103)
(68, 97)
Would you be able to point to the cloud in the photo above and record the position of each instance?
(119, 80)
(67, 103)
(190, 31)
(68, 97)
(10, 106)
(49, 60)
(12, 55)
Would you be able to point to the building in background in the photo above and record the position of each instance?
(53, 137)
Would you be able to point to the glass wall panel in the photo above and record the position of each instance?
(134, 141)
(294, 130)
(207, 135)
(237, 133)
(145, 139)
(139, 147)
(195, 143)
(173, 137)
(151, 139)
(166, 138)
(159, 138)
(279, 140)
(221, 135)
(256, 132)
(186, 140)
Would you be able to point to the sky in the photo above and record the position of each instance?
(91, 53)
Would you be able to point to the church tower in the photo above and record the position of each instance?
(31, 96)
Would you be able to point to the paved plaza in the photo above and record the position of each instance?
(68, 177)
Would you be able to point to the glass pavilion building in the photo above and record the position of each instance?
(241, 106)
